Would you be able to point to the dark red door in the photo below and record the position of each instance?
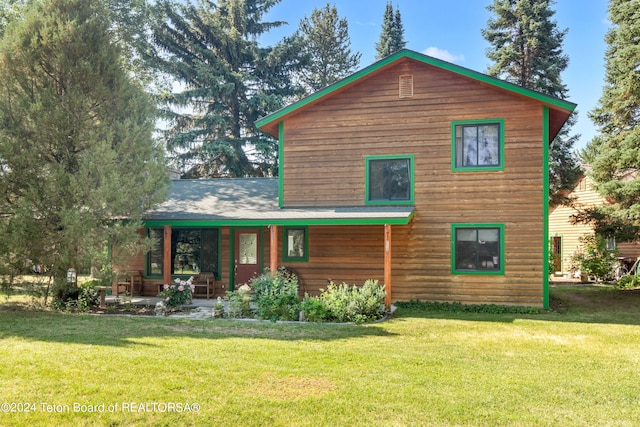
(248, 250)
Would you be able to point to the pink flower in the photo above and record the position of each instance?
(181, 288)
(165, 286)
(193, 288)
(177, 280)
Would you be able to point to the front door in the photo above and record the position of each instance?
(557, 254)
(247, 255)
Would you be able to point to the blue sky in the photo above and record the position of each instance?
(450, 30)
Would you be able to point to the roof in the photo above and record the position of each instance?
(559, 109)
(254, 201)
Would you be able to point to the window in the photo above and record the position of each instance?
(155, 261)
(477, 249)
(478, 145)
(389, 179)
(611, 244)
(295, 244)
(193, 250)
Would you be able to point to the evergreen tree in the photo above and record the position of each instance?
(228, 82)
(526, 48)
(76, 147)
(327, 47)
(10, 10)
(617, 147)
(392, 35)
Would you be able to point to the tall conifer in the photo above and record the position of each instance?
(76, 147)
(392, 35)
(327, 46)
(227, 81)
(616, 150)
(526, 49)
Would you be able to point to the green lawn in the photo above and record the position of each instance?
(577, 365)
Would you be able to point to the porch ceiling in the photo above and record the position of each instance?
(254, 201)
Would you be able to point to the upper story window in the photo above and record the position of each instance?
(389, 179)
(478, 145)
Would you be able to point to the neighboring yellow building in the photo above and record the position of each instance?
(565, 236)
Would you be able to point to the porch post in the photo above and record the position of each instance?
(273, 250)
(166, 256)
(387, 264)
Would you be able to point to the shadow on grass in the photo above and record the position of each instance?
(103, 330)
(582, 304)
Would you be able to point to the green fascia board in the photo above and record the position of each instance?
(405, 53)
(281, 164)
(282, 222)
(545, 208)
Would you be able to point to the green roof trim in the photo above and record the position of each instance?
(405, 53)
(284, 222)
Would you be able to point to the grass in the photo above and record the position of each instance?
(576, 365)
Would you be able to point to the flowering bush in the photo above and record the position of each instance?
(178, 293)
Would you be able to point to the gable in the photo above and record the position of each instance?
(559, 110)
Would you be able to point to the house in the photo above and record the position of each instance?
(430, 177)
(565, 236)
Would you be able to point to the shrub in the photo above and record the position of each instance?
(234, 306)
(344, 303)
(177, 294)
(314, 309)
(277, 297)
(239, 302)
(627, 282)
(594, 259)
(70, 297)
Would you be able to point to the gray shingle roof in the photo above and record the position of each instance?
(225, 201)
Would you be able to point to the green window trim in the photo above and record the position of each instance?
(411, 176)
(496, 272)
(454, 148)
(301, 246)
(148, 255)
(217, 257)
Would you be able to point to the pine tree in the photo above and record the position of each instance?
(327, 47)
(617, 147)
(526, 48)
(76, 147)
(392, 35)
(228, 82)
(397, 33)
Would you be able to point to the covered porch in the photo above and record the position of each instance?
(246, 231)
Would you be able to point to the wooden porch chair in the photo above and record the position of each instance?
(131, 280)
(205, 280)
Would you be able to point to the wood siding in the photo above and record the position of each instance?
(560, 225)
(324, 165)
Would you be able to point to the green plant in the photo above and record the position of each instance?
(277, 296)
(88, 296)
(235, 305)
(178, 293)
(594, 259)
(314, 309)
(69, 297)
(627, 282)
(354, 304)
(456, 307)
